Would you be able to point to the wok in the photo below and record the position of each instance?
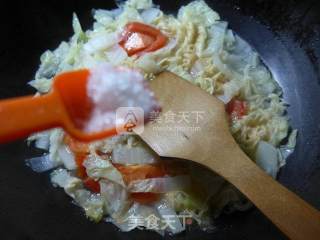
(285, 33)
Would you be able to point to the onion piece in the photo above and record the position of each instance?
(160, 185)
(41, 164)
(67, 157)
(134, 155)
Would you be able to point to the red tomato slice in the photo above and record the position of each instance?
(81, 171)
(236, 108)
(138, 38)
(145, 198)
(92, 185)
(137, 42)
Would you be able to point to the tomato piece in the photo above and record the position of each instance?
(137, 42)
(145, 198)
(92, 185)
(81, 170)
(80, 159)
(138, 38)
(139, 172)
(236, 108)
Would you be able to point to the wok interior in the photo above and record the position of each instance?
(30, 208)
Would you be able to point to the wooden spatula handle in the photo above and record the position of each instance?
(293, 216)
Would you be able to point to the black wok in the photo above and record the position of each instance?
(285, 33)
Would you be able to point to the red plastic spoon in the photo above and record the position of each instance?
(67, 106)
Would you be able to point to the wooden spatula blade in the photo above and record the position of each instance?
(193, 114)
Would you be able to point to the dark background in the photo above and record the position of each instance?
(285, 33)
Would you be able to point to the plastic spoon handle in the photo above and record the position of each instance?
(21, 116)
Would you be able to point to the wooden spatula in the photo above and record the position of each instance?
(208, 141)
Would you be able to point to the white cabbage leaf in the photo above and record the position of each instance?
(267, 157)
(107, 145)
(56, 140)
(101, 42)
(62, 178)
(115, 197)
(93, 204)
(67, 157)
(183, 200)
(160, 185)
(138, 4)
(198, 12)
(288, 149)
(150, 15)
(42, 139)
(141, 154)
(42, 163)
(105, 17)
(98, 168)
(116, 55)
